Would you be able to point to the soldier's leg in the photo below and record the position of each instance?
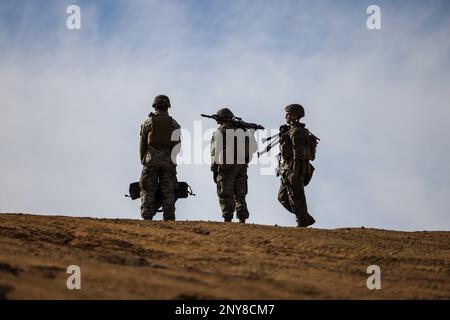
(240, 192)
(225, 186)
(283, 198)
(149, 185)
(169, 184)
(300, 206)
(299, 200)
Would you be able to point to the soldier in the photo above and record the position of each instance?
(230, 156)
(159, 146)
(293, 162)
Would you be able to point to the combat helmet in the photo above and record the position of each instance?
(296, 108)
(161, 100)
(224, 113)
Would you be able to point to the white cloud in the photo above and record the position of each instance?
(70, 115)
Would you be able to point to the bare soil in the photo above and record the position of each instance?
(133, 259)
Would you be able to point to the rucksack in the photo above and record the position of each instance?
(311, 142)
(311, 145)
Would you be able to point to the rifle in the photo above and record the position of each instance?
(268, 147)
(235, 122)
(274, 140)
(184, 190)
(282, 133)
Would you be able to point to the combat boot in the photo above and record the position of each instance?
(147, 216)
(168, 217)
(305, 221)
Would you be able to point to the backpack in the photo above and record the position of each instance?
(311, 145)
(311, 142)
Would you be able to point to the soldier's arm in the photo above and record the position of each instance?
(143, 142)
(217, 148)
(214, 167)
(213, 151)
(176, 137)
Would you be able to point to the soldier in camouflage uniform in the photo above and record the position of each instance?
(293, 147)
(230, 176)
(159, 145)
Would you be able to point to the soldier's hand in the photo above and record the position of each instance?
(283, 128)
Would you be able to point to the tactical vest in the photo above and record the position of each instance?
(310, 145)
(286, 148)
(160, 131)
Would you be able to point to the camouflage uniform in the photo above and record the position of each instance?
(231, 178)
(292, 193)
(159, 170)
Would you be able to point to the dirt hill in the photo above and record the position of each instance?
(133, 259)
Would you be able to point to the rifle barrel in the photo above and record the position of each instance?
(264, 140)
(267, 148)
(236, 121)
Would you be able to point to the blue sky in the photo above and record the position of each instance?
(73, 102)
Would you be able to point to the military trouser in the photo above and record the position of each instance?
(232, 189)
(292, 195)
(164, 176)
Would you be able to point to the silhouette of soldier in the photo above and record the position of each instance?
(294, 165)
(159, 145)
(231, 151)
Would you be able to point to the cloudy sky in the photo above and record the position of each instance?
(72, 102)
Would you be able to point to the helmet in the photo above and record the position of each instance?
(296, 108)
(225, 113)
(161, 100)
